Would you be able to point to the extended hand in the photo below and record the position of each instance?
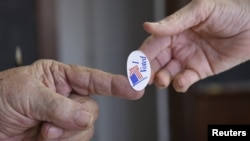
(204, 38)
(37, 101)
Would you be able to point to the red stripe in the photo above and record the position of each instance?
(135, 70)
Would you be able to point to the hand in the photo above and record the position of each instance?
(202, 39)
(36, 97)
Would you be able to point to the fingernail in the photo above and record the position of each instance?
(83, 118)
(54, 132)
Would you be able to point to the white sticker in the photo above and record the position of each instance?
(138, 70)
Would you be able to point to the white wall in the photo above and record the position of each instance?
(101, 34)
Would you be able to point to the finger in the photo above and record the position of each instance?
(59, 110)
(184, 80)
(85, 81)
(159, 62)
(189, 16)
(166, 74)
(163, 79)
(50, 132)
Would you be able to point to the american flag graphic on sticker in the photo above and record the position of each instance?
(135, 75)
(138, 70)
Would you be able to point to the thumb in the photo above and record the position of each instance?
(63, 112)
(189, 16)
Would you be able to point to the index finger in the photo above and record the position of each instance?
(86, 81)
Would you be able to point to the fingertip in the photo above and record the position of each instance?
(150, 27)
(184, 80)
(162, 79)
(83, 119)
(146, 25)
(133, 94)
(180, 85)
(50, 131)
(120, 87)
(138, 95)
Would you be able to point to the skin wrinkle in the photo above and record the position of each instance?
(154, 66)
(180, 55)
(3, 124)
(245, 53)
(93, 85)
(227, 20)
(110, 81)
(19, 119)
(53, 71)
(225, 26)
(99, 86)
(158, 61)
(245, 14)
(160, 83)
(172, 53)
(203, 20)
(212, 69)
(22, 121)
(160, 43)
(87, 77)
(205, 54)
(223, 54)
(193, 38)
(60, 81)
(112, 90)
(83, 88)
(14, 128)
(61, 85)
(49, 77)
(46, 76)
(161, 59)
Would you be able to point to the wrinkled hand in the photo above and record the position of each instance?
(202, 39)
(37, 101)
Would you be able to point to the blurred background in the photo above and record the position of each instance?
(101, 34)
